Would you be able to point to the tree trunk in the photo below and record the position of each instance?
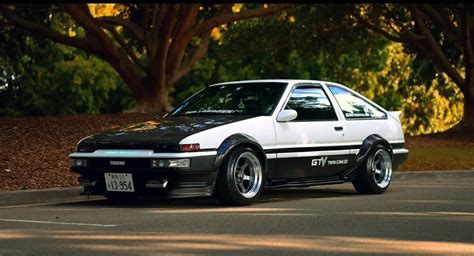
(467, 120)
(468, 116)
(153, 98)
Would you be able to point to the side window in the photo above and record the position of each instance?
(353, 106)
(312, 104)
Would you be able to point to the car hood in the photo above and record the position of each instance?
(164, 131)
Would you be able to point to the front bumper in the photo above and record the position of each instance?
(197, 180)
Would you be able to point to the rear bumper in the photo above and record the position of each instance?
(197, 180)
(399, 157)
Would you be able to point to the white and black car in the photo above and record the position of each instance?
(232, 140)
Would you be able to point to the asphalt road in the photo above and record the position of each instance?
(417, 215)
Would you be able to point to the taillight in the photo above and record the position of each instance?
(189, 147)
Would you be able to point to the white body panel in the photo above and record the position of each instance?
(308, 134)
(356, 131)
(260, 128)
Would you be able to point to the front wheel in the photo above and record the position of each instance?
(240, 178)
(375, 176)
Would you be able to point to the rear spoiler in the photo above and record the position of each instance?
(395, 114)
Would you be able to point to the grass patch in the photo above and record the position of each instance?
(439, 158)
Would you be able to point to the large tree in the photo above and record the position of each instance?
(442, 33)
(151, 46)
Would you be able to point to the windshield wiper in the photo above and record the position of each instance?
(211, 113)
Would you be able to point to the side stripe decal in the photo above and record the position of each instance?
(326, 148)
(309, 149)
(314, 153)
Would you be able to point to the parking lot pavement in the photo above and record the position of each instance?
(431, 214)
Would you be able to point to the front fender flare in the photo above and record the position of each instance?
(237, 140)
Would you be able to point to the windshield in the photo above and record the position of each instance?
(233, 99)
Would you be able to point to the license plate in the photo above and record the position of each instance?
(119, 182)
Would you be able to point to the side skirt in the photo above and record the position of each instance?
(289, 183)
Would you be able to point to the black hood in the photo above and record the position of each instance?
(161, 132)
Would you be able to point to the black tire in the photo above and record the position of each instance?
(235, 178)
(375, 174)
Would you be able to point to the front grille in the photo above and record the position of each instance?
(166, 147)
(128, 163)
(125, 145)
(161, 147)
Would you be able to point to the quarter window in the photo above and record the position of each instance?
(353, 106)
(311, 104)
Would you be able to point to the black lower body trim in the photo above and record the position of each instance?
(179, 184)
(276, 184)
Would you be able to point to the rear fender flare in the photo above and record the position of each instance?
(370, 142)
(367, 145)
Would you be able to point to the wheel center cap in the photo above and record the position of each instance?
(240, 176)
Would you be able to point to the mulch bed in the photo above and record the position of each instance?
(451, 138)
(34, 150)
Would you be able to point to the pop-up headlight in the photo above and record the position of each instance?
(86, 147)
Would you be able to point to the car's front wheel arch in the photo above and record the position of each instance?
(235, 141)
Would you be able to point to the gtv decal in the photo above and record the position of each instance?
(324, 159)
(319, 161)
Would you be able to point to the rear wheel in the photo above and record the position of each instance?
(375, 175)
(240, 179)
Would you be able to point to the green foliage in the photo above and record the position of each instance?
(316, 41)
(57, 80)
(385, 72)
(202, 75)
(38, 77)
(312, 47)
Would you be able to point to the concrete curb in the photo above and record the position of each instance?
(433, 174)
(56, 195)
(35, 196)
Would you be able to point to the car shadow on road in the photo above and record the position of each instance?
(282, 195)
(267, 196)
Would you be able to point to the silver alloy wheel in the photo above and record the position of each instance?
(382, 168)
(247, 175)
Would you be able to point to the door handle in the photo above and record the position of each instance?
(338, 128)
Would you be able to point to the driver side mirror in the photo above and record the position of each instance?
(287, 115)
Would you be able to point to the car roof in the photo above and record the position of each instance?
(273, 81)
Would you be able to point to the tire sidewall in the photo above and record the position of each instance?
(368, 170)
(226, 173)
